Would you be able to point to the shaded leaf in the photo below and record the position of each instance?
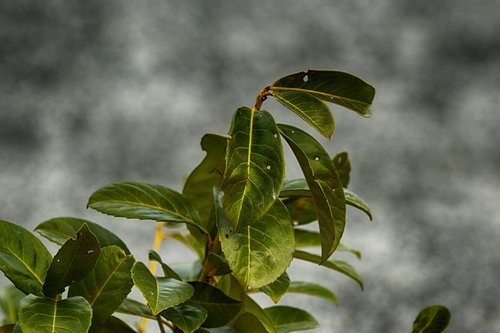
(343, 165)
(249, 323)
(278, 288)
(432, 319)
(108, 284)
(135, 308)
(10, 297)
(113, 325)
(60, 229)
(220, 308)
(161, 293)
(324, 184)
(312, 289)
(75, 259)
(9, 328)
(289, 319)
(254, 167)
(145, 202)
(187, 317)
(222, 329)
(301, 210)
(255, 309)
(167, 271)
(305, 238)
(336, 265)
(23, 258)
(46, 315)
(258, 253)
(188, 271)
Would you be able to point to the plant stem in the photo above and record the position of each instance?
(158, 319)
(262, 96)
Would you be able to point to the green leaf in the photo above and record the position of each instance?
(336, 265)
(135, 308)
(188, 271)
(220, 308)
(75, 259)
(336, 87)
(258, 253)
(312, 289)
(324, 184)
(255, 309)
(432, 319)
(301, 210)
(113, 325)
(46, 315)
(278, 288)
(10, 297)
(254, 167)
(305, 238)
(145, 202)
(23, 258)
(222, 329)
(352, 199)
(167, 270)
(249, 323)
(194, 243)
(200, 182)
(295, 188)
(108, 284)
(60, 229)
(289, 319)
(161, 293)
(9, 328)
(187, 317)
(343, 165)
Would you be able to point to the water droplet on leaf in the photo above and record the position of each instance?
(249, 288)
(305, 78)
(90, 251)
(268, 167)
(317, 158)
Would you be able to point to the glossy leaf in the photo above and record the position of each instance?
(113, 325)
(145, 202)
(324, 184)
(290, 319)
(10, 297)
(167, 270)
(278, 288)
(220, 308)
(108, 284)
(336, 87)
(258, 253)
(75, 259)
(200, 182)
(336, 265)
(135, 308)
(46, 315)
(254, 167)
(187, 317)
(60, 229)
(23, 258)
(161, 293)
(432, 319)
(312, 289)
(343, 166)
(305, 238)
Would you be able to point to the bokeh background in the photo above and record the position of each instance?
(93, 92)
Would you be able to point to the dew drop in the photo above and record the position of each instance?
(317, 158)
(90, 251)
(58, 260)
(305, 78)
(268, 167)
(292, 131)
(275, 135)
(249, 288)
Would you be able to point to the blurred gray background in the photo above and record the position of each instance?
(94, 92)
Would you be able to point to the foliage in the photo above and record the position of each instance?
(240, 216)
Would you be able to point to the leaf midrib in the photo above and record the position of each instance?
(315, 92)
(25, 265)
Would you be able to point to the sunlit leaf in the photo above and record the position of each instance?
(75, 259)
(23, 258)
(60, 229)
(145, 202)
(312, 289)
(187, 317)
(324, 184)
(432, 319)
(258, 253)
(336, 265)
(113, 325)
(46, 315)
(290, 319)
(343, 165)
(278, 288)
(161, 293)
(254, 167)
(10, 297)
(108, 284)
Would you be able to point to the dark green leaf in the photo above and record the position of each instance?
(352, 199)
(223, 329)
(161, 293)
(23, 258)
(167, 271)
(305, 238)
(324, 183)
(187, 317)
(145, 202)
(336, 87)
(113, 325)
(295, 188)
(60, 229)
(336, 265)
(199, 184)
(432, 319)
(343, 165)
(254, 167)
(75, 259)
(312, 289)
(249, 323)
(301, 210)
(10, 297)
(135, 308)
(254, 308)
(108, 284)
(278, 288)
(289, 319)
(258, 253)
(46, 315)
(220, 308)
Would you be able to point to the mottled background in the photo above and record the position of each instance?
(93, 92)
